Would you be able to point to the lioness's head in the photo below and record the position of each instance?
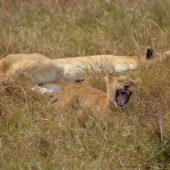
(121, 90)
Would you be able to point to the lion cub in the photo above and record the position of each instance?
(121, 92)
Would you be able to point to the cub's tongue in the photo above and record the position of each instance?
(121, 99)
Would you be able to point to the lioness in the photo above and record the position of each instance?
(34, 67)
(75, 67)
(39, 69)
(121, 91)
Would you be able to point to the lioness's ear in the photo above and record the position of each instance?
(137, 81)
(108, 78)
(150, 53)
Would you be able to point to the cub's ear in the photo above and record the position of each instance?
(150, 53)
(137, 81)
(108, 78)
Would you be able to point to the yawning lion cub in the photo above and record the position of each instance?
(121, 91)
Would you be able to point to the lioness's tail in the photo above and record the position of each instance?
(150, 53)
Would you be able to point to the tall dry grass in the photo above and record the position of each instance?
(34, 136)
(76, 28)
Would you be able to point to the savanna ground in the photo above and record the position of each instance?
(34, 136)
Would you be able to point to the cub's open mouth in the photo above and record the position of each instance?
(122, 97)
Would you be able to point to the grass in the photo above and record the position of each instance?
(34, 136)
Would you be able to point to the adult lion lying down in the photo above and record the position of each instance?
(121, 91)
(76, 67)
(35, 68)
(39, 69)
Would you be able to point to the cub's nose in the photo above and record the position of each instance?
(126, 87)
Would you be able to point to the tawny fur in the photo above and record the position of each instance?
(34, 67)
(76, 67)
(95, 99)
(39, 69)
